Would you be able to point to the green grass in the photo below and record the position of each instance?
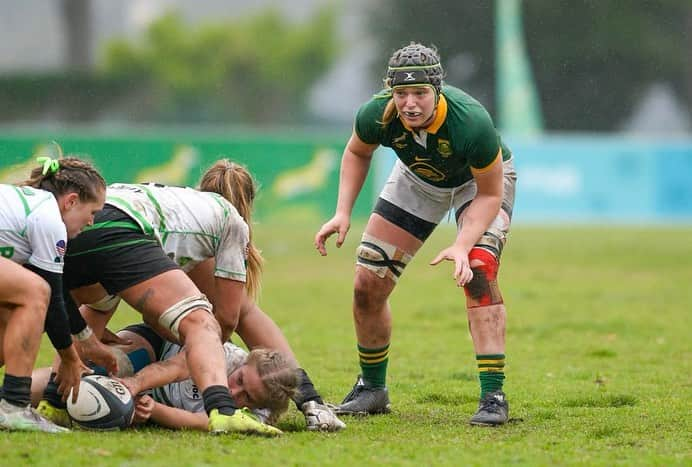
(598, 360)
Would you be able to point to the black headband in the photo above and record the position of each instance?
(409, 77)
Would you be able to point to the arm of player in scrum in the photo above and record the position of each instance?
(172, 417)
(161, 373)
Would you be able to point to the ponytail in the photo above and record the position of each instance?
(67, 175)
(235, 183)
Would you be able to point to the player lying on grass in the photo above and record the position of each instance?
(205, 233)
(36, 219)
(264, 380)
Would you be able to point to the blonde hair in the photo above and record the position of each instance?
(235, 183)
(73, 175)
(389, 113)
(280, 378)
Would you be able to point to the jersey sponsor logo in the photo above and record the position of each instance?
(6, 251)
(191, 391)
(444, 147)
(400, 141)
(427, 172)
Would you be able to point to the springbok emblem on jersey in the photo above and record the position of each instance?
(400, 141)
(444, 148)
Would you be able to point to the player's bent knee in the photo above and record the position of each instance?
(31, 290)
(35, 298)
(41, 293)
(172, 317)
(483, 290)
(370, 290)
(382, 258)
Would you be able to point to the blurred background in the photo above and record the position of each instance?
(593, 97)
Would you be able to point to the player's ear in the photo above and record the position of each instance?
(69, 200)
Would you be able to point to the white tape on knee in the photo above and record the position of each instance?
(107, 303)
(382, 258)
(171, 318)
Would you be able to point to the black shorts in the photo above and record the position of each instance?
(115, 252)
(145, 331)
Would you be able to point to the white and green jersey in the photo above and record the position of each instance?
(185, 394)
(31, 228)
(191, 225)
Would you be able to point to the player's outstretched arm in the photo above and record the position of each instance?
(355, 164)
(158, 374)
(170, 417)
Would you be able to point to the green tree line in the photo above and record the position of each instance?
(592, 60)
(256, 69)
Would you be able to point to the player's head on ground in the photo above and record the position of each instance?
(267, 380)
(236, 184)
(414, 75)
(77, 186)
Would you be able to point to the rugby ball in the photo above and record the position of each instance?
(102, 404)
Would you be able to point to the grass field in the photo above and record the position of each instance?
(598, 356)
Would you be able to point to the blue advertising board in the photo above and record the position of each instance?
(586, 179)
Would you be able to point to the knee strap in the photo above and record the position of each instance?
(381, 257)
(107, 303)
(172, 317)
(483, 288)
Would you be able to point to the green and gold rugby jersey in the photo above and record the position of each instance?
(461, 136)
(191, 225)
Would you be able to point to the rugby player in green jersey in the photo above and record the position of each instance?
(450, 157)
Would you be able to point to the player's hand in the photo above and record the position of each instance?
(69, 373)
(339, 224)
(96, 351)
(319, 417)
(132, 384)
(144, 406)
(462, 269)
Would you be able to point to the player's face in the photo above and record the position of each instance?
(77, 214)
(415, 104)
(247, 388)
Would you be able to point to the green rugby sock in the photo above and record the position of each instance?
(491, 372)
(373, 363)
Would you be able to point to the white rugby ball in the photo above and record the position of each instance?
(102, 404)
